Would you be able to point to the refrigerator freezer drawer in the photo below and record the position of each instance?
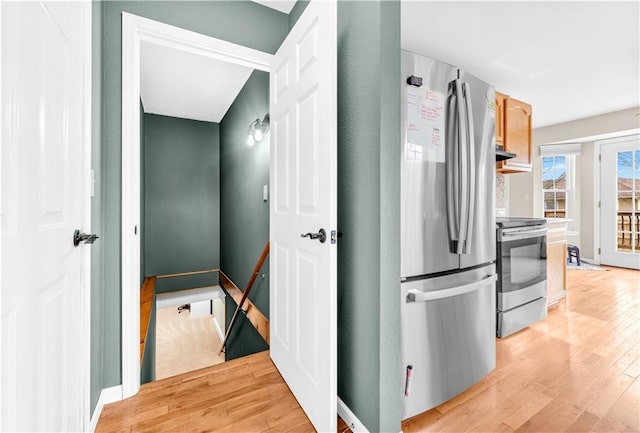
(449, 341)
(520, 317)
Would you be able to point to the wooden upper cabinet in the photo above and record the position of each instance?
(500, 98)
(516, 135)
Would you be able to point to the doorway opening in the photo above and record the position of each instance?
(303, 172)
(187, 168)
(619, 218)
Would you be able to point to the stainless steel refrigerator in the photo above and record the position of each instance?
(447, 231)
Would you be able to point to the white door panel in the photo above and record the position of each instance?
(43, 130)
(620, 202)
(303, 176)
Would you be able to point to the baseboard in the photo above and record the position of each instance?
(107, 395)
(218, 329)
(349, 417)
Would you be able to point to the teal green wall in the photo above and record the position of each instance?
(296, 11)
(182, 196)
(240, 22)
(97, 249)
(369, 164)
(369, 363)
(142, 228)
(244, 170)
(244, 338)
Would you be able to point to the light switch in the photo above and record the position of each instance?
(265, 192)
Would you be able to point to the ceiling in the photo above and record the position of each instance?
(180, 84)
(569, 60)
(279, 5)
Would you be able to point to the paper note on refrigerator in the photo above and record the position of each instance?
(425, 125)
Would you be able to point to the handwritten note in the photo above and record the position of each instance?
(425, 125)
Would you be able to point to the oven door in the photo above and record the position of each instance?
(522, 258)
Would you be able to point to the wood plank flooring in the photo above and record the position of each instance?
(244, 395)
(576, 371)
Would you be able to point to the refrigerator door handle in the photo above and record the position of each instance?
(471, 181)
(418, 296)
(463, 167)
(452, 169)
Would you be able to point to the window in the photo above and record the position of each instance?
(558, 181)
(555, 188)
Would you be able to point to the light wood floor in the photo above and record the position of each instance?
(244, 395)
(576, 371)
(183, 343)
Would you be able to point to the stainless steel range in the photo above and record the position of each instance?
(522, 273)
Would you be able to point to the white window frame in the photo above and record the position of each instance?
(569, 184)
(569, 151)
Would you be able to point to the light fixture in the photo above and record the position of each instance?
(257, 129)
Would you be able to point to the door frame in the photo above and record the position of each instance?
(86, 199)
(85, 205)
(597, 211)
(135, 30)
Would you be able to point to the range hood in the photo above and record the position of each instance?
(501, 155)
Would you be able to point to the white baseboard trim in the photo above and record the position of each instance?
(348, 417)
(218, 329)
(107, 395)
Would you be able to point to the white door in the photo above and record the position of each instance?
(303, 300)
(620, 202)
(45, 54)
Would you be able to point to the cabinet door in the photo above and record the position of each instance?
(500, 98)
(517, 134)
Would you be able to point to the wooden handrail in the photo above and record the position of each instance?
(252, 279)
(186, 274)
(147, 292)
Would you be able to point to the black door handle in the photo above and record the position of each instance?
(83, 237)
(321, 236)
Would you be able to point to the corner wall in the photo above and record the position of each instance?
(244, 229)
(369, 84)
(244, 170)
(181, 199)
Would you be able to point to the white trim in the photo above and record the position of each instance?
(559, 149)
(218, 329)
(597, 161)
(349, 417)
(1, 231)
(107, 395)
(85, 296)
(597, 152)
(136, 30)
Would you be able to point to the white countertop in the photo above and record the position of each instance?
(558, 220)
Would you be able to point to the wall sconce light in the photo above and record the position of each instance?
(257, 130)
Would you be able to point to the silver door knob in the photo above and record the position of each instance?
(85, 238)
(321, 235)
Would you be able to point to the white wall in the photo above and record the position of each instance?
(524, 189)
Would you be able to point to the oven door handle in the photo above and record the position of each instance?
(514, 236)
(418, 296)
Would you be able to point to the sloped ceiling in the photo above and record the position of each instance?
(180, 84)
